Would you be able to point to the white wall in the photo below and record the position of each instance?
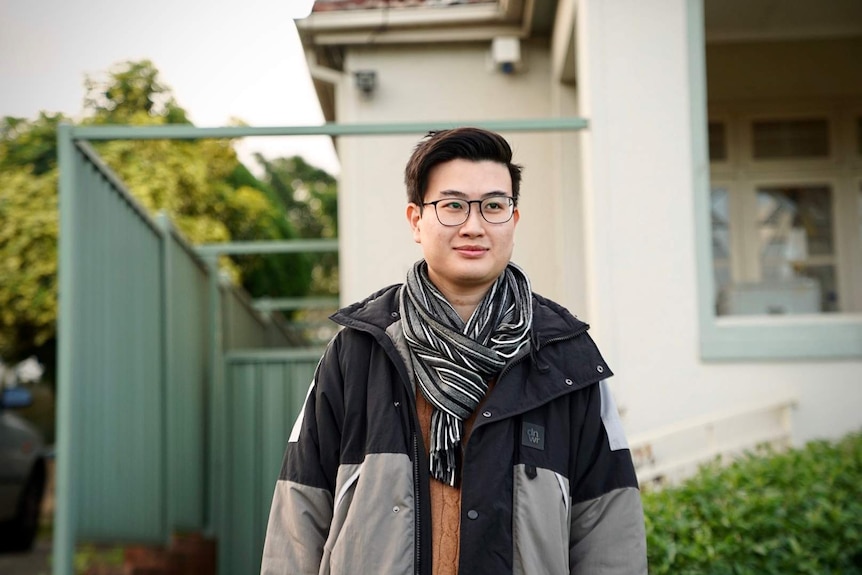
(608, 218)
(450, 82)
(642, 287)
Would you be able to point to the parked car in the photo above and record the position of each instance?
(22, 473)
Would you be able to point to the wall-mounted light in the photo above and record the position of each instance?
(366, 81)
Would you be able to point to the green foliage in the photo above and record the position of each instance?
(90, 558)
(28, 263)
(132, 93)
(32, 144)
(310, 199)
(201, 185)
(794, 512)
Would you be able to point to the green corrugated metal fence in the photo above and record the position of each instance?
(118, 346)
(187, 367)
(265, 392)
(144, 413)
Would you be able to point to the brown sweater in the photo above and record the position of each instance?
(445, 500)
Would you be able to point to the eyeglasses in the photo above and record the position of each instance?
(454, 211)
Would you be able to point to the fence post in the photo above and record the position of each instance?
(216, 420)
(65, 519)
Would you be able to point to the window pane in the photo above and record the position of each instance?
(794, 222)
(795, 253)
(795, 225)
(717, 142)
(825, 277)
(784, 139)
(720, 216)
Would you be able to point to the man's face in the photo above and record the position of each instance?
(464, 259)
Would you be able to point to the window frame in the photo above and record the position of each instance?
(821, 336)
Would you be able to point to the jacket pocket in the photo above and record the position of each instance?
(540, 521)
(348, 477)
(372, 520)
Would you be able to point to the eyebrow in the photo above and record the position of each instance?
(457, 194)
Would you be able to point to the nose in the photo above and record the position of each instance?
(475, 224)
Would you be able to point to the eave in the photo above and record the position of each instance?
(326, 34)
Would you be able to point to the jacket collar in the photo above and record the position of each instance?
(378, 311)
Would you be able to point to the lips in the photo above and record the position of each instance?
(471, 251)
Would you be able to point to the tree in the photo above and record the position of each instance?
(28, 263)
(132, 94)
(203, 187)
(195, 182)
(310, 198)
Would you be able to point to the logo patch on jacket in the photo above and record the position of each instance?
(533, 435)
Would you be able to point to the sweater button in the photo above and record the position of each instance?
(472, 514)
(569, 382)
(600, 369)
(486, 414)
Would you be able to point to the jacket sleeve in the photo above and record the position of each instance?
(607, 535)
(301, 509)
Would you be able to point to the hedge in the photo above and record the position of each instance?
(797, 511)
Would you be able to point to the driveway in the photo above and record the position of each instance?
(35, 562)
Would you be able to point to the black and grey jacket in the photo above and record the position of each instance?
(548, 485)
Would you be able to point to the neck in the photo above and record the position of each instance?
(465, 299)
(465, 305)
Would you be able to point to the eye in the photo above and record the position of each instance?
(452, 205)
(494, 205)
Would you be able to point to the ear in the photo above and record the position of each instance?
(516, 215)
(414, 217)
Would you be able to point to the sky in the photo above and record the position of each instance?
(223, 59)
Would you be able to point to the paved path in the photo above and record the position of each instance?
(36, 562)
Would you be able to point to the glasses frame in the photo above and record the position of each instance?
(470, 208)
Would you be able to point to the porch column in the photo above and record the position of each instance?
(634, 67)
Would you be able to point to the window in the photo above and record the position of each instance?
(790, 139)
(775, 228)
(779, 210)
(785, 235)
(773, 250)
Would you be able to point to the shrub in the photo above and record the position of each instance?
(798, 511)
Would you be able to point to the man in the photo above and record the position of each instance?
(459, 423)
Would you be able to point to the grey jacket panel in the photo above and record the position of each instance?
(367, 528)
(540, 522)
(298, 523)
(372, 526)
(608, 536)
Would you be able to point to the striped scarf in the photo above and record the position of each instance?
(453, 360)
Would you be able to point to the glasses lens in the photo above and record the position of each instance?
(497, 210)
(452, 212)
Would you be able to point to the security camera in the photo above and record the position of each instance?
(506, 54)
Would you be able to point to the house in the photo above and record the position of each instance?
(707, 223)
